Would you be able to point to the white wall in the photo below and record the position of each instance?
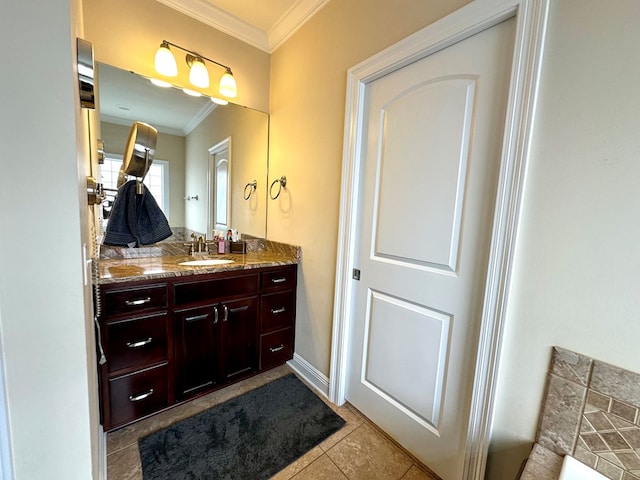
(46, 335)
(577, 265)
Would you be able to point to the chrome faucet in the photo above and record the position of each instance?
(197, 245)
(202, 245)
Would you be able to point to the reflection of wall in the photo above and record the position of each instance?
(248, 130)
(127, 33)
(170, 148)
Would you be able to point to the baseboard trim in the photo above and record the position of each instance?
(102, 454)
(311, 374)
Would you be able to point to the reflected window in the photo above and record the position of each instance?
(219, 191)
(222, 192)
(156, 180)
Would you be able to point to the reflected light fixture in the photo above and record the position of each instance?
(219, 101)
(165, 64)
(193, 93)
(160, 83)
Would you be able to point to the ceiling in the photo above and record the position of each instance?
(265, 24)
(126, 97)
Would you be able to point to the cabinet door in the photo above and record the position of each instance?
(196, 349)
(238, 337)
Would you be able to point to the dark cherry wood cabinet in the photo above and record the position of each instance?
(238, 332)
(196, 336)
(167, 341)
(277, 316)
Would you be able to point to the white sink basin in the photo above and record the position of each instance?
(572, 469)
(206, 262)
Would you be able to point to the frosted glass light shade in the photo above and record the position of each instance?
(165, 62)
(228, 86)
(198, 74)
(219, 101)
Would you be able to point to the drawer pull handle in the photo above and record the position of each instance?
(139, 344)
(196, 318)
(276, 349)
(278, 310)
(215, 315)
(142, 396)
(140, 301)
(226, 313)
(279, 280)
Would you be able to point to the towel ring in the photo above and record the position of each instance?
(252, 188)
(283, 183)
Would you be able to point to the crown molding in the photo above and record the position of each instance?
(199, 117)
(220, 20)
(299, 13)
(124, 122)
(287, 25)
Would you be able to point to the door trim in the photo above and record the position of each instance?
(479, 15)
(221, 146)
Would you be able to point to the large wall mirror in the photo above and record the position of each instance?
(195, 137)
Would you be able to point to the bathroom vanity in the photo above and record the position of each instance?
(170, 332)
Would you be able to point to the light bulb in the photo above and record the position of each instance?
(198, 74)
(228, 86)
(165, 62)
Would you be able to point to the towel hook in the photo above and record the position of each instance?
(191, 197)
(252, 188)
(283, 183)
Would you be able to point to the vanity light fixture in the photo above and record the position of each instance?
(165, 64)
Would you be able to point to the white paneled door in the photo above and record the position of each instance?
(430, 157)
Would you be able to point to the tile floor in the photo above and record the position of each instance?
(357, 451)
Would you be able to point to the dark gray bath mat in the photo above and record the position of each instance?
(252, 436)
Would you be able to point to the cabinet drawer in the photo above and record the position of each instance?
(137, 342)
(135, 299)
(277, 311)
(276, 348)
(202, 290)
(138, 394)
(282, 278)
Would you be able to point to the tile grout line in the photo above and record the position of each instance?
(422, 467)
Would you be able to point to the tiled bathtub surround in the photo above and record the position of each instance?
(591, 411)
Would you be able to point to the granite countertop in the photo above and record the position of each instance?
(116, 270)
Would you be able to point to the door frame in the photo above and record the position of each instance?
(479, 15)
(221, 146)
